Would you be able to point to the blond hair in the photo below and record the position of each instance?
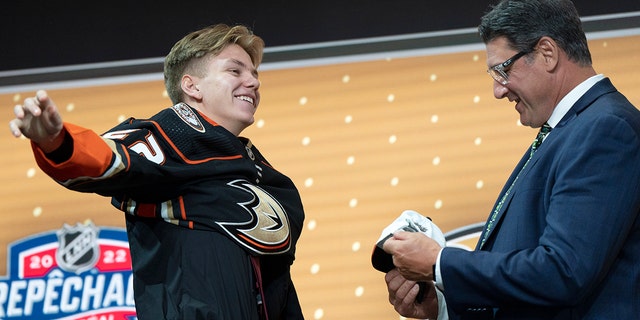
(187, 55)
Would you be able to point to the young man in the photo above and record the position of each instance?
(563, 239)
(212, 225)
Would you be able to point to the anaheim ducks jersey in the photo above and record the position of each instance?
(181, 167)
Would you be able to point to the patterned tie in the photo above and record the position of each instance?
(544, 130)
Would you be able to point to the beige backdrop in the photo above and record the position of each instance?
(362, 141)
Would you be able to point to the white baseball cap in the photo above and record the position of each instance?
(410, 221)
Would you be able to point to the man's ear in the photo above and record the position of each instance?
(550, 52)
(190, 87)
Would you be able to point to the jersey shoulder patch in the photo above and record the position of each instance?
(188, 116)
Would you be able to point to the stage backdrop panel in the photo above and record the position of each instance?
(363, 141)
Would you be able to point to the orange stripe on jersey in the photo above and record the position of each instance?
(266, 164)
(183, 211)
(187, 160)
(261, 245)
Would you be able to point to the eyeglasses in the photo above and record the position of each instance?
(498, 72)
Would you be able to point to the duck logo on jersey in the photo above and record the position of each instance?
(267, 232)
(75, 273)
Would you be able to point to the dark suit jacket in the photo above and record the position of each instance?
(567, 240)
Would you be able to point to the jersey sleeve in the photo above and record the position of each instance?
(93, 158)
(110, 164)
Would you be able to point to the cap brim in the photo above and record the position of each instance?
(381, 260)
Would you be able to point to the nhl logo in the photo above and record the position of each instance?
(78, 248)
(188, 116)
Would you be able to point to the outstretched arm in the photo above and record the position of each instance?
(39, 120)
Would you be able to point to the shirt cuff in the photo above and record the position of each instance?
(437, 276)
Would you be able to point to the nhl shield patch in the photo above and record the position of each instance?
(78, 248)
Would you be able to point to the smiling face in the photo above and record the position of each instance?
(228, 90)
(529, 85)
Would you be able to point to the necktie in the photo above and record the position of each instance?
(544, 130)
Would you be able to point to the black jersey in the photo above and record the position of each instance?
(199, 203)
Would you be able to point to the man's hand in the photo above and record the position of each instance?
(403, 293)
(39, 120)
(414, 254)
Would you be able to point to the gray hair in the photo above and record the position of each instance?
(524, 22)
